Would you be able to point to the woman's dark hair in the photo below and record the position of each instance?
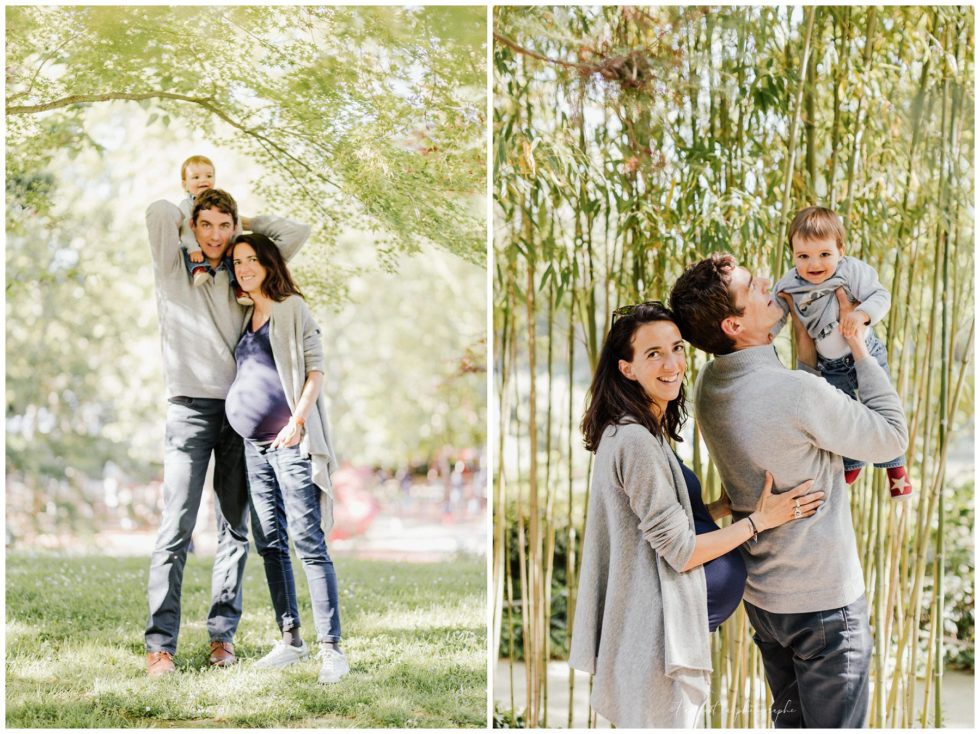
(278, 283)
(614, 399)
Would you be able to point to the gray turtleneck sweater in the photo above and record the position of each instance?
(756, 415)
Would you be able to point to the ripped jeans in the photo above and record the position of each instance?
(286, 501)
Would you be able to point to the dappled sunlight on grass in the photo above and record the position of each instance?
(415, 639)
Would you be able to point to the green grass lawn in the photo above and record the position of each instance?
(415, 636)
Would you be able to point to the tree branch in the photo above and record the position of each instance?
(540, 57)
(205, 102)
(107, 97)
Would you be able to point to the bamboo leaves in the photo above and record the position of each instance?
(754, 113)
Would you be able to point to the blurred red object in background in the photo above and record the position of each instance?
(354, 507)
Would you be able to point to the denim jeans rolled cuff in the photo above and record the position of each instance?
(285, 502)
(850, 464)
(196, 428)
(817, 665)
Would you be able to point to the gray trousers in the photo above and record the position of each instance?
(817, 665)
(196, 427)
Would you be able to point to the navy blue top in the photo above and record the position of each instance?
(725, 575)
(256, 404)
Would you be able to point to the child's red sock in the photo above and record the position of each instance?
(851, 474)
(899, 486)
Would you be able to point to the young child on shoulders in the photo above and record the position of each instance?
(197, 176)
(817, 238)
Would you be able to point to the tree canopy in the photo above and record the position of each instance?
(364, 117)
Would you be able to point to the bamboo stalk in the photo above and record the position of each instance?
(858, 120)
(779, 249)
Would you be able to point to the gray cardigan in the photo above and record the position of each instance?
(298, 350)
(641, 622)
(756, 415)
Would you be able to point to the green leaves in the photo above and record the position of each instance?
(332, 100)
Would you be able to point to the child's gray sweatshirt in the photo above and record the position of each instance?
(199, 327)
(187, 237)
(818, 308)
(756, 415)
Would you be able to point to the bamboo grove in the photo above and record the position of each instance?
(630, 142)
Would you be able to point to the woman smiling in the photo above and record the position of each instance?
(657, 573)
(276, 405)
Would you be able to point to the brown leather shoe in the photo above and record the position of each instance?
(222, 654)
(159, 663)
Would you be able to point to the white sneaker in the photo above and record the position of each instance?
(334, 665)
(283, 655)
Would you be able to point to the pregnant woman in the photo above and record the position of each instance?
(276, 405)
(657, 573)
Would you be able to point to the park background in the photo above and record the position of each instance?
(630, 142)
(367, 123)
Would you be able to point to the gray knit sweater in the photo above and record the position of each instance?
(756, 415)
(199, 327)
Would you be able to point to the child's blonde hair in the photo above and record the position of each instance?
(198, 159)
(818, 223)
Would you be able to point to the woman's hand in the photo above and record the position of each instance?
(196, 257)
(290, 435)
(853, 325)
(806, 349)
(774, 510)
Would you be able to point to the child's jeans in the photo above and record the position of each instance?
(190, 264)
(841, 374)
(205, 264)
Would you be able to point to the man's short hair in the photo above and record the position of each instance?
(215, 199)
(700, 300)
(817, 223)
(199, 160)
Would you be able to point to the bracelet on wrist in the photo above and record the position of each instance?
(755, 530)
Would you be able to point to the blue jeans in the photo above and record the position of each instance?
(841, 374)
(285, 500)
(817, 665)
(196, 427)
(190, 265)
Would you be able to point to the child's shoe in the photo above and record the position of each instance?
(899, 486)
(242, 297)
(200, 275)
(851, 475)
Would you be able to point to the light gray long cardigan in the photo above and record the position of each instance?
(298, 350)
(641, 623)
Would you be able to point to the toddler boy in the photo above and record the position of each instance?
(196, 176)
(817, 238)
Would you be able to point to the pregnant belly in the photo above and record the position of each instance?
(258, 414)
(725, 579)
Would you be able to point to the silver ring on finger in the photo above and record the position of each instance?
(797, 512)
